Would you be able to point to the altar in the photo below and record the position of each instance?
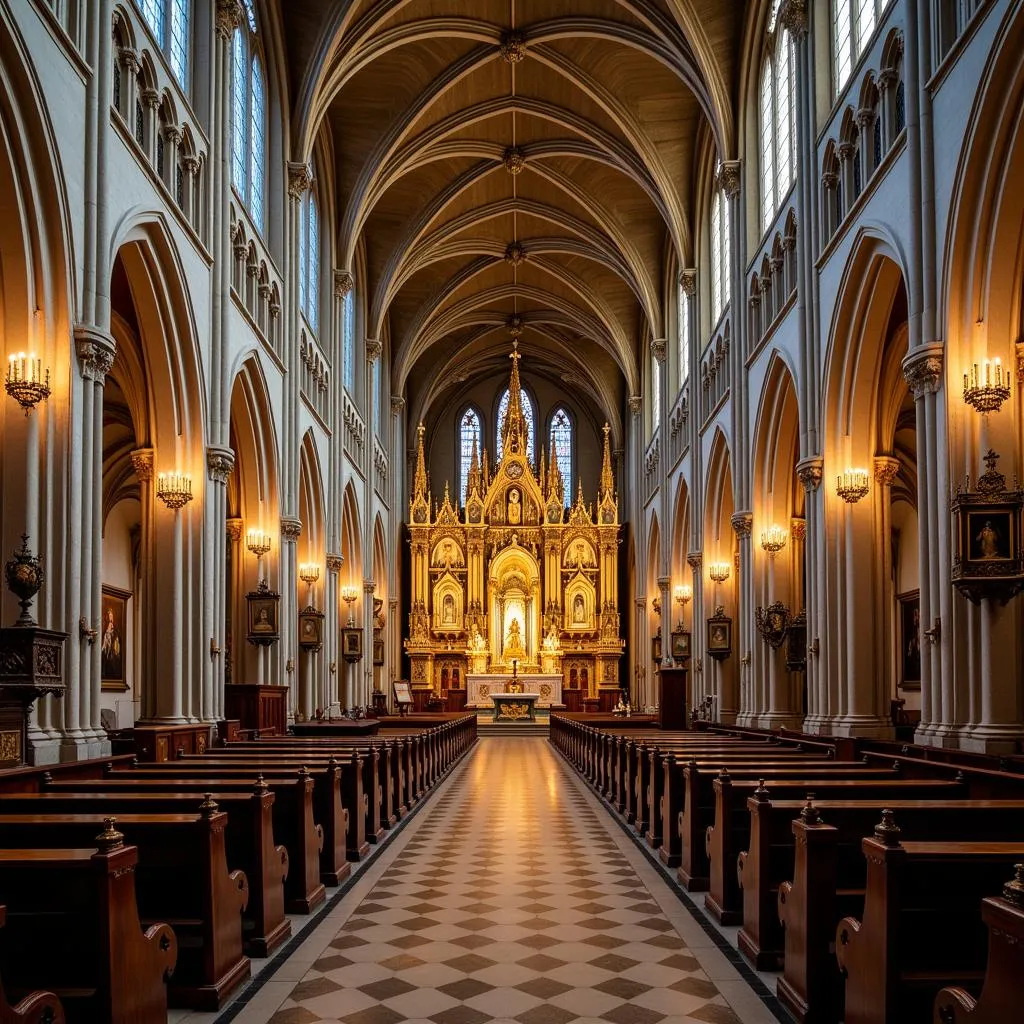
(480, 689)
(514, 707)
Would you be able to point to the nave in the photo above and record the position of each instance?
(512, 895)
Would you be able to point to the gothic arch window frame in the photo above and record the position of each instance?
(655, 403)
(170, 24)
(249, 93)
(570, 461)
(852, 27)
(462, 455)
(310, 259)
(348, 343)
(776, 120)
(531, 410)
(720, 243)
(682, 333)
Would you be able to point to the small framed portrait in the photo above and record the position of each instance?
(352, 643)
(263, 604)
(719, 635)
(378, 651)
(989, 536)
(656, 648)
(680, 644)
(311, 629)
(909, 617)
(114, 639)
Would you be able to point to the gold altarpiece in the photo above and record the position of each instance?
(518, 577)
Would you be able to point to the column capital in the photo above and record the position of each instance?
(798, 528)
(220, 461)
(658, 349)
(129, 59)
(641, 603)
(636, 403)
(142, 463)
(886, 78)
(886, 469)
(96, 349)
(830, 179)
(695, 559)
(397, 405)
(743, 523)
(688, 281)
(865, 118)
(369, 586)
(922, 369)
(150, 98)
(809, 472)
(291, 529)
(229, 17)
(793, 17)
(344, 282)
(1020, 362)
(664, 582)
(233, 528)
(845, 149)
(300, 177)
(373, 350)
(172, 134)
(334, 562)
(729, 177)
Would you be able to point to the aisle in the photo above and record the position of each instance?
(512, 895)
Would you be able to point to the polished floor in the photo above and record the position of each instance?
(512, 895)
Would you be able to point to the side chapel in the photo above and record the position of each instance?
(514, 583)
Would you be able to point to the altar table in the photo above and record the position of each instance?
(481, 688)
(514, 707)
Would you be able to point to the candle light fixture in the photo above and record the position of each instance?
(309, 573)
(349, 595)
(174, 489)
(774, 539)
(257, 542)
(852, 485)
(26, 383)
(987, 387)
(683, 594)
(719, 571)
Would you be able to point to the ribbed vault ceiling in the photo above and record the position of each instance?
(514, 158)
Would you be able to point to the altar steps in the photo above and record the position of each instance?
(492, 728)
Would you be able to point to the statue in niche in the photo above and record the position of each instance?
(579, 611)
(514, 641)
(479, 643)
(448, 610)
(551, 640)
(515, 509)
(988, 541)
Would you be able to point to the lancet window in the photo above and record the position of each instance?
(470, 431)
(528, 417)
(561, 449)
(348, 342)
(309, 271)
(249, 104)
(777, 126)
(168, 20)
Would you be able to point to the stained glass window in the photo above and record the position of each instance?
(527, 416)
(561, 450)
(655, 393)
(767, 145)
(683, 330)
(249, 103)
(853, 25)
(309, 263)
(171, 32)
(470, 430)
(348, 341)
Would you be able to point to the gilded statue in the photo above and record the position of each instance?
(515, 509)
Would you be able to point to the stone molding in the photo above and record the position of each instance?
(886, 469)
(344, 282)
(688, 281)
(291, 529)
(922, 370)
(809, 472)
(743, 523)
(300, 177)
(729, 178)
(220, 462)
(142, 463)
(95, 349)
(636, 403)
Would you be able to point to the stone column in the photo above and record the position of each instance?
(698, 687)
(820, 703)
(233, 649)
(142, 463)
(886, 470)
(291, 530)
(735, 682)
(641, 651)
(866, 124)
(220, 462)
(369, 589)
(638, 691)
(331, 627)
(659, 350)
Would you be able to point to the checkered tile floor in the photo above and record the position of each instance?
(511, 900)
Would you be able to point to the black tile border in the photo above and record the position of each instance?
(282, 953)
(732, 954)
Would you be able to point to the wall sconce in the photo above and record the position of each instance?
(257, 542)
(852, 485)
(174, 489)
(987, 389)
(309, 573)
(683, 594)
(349, 595)
(25, 381)
(774, 539)
(719, 571)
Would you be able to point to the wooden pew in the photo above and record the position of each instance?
(730, 834)
(921, 929)
(250, 844)
(35, 1008)
(203, 905)
(1001, 994)
(73, 928)
(770, 858)
(292, 815)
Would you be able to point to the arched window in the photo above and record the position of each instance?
(348, 342)
(655, 393)
(777, 122)
(378, 392)
(853, 24)
(470, 430)
(720, 251)
(531, 423)
(309, 264)
(169, 22)
(683, 332)
(561, 449)
(249, 103)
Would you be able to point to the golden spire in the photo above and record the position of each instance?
(419, 484)
(514, 431)
(473, 477)
(556, 484)
(486, 471)
(607, 487)
(542, 477)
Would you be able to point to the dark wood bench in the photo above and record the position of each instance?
(920, 930)
(1001, 994)
(73, 928)
(250, 843)
(35, 1008)
(204, 905)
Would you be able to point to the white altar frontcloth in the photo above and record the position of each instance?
(480, 687)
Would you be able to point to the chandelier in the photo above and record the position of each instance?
(986, 389)
(774, 539)
(852, 485)
(174, 489)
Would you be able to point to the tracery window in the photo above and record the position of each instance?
(528, 416)
(853, 24)
(470, 430)
(777, 122)
(169, 22)
(721, 248)
(309, 263)
(561, 449)
(655, 393)
(348, 342)
(249, 103)
(683, 332)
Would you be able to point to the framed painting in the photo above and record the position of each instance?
(114, 639)
(909, 616)
(719, 635)
(378, 652)
(680, 644)
(352, 643)
(263, 605)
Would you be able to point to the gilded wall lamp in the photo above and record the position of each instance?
(309, 573)
(719, 571)
(26, 383)
(774, 539)
(258, 543)
(683, 594)
(852, 485)
(987, 387)
(174, 489)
